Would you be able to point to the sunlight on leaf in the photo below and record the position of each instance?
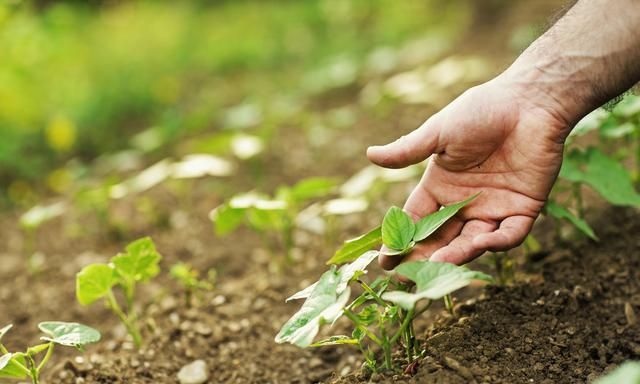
(200, 165)
(324, 305)
(430, 223)
(69, 334)
(352, 249)
(94, 282)
(627, 373)
(433, 281)
(39, 214)
(335, 340)
(397, 229)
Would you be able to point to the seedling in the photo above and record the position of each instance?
(382, 316)
(24, 365)
(272, 217)
(126, 270)
(190, 280)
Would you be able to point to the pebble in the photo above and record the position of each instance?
(194, 373)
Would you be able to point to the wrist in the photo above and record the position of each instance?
(553, 87)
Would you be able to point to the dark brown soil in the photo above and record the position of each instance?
(568, 327)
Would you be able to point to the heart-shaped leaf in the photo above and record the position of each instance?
(139, 263)
(433, 281)
(346, 273)
(397, 229)
(69, 334)
(94, 282)
(352, 249)
(560, 212)
(324, 305)
(430, 223)
(9, 366)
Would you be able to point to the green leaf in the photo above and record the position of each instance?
(69, 334)
(560, 212)
(94, 282)
(352, 249)
(433, 281)
(9, 366)
(335, 340)
(139, 263)
(346, 273)
(312, 188)
(226, 219)
(4, 330)
(627, 373)
(322, 305)
(430, 223)
(607, 176)
(397, 229)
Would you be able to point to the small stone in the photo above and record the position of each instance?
(630, 314)
(315, 362)
(194, 373)
(202, 329)
(218, 300)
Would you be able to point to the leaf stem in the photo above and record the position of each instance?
(448, 304)
(46, 357)
(3, 349)
(375, 296)
(132, 328)
(33, 370)
(405, 323)
(577, 196)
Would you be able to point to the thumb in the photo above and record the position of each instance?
(410, 149)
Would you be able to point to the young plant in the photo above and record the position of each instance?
(25, 365)
(383, 315)
(272, 217)
(125, 271)
(190, 280)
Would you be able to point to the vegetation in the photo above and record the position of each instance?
(23, 365)
(126, 270)
(383, 314)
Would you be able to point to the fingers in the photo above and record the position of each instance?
(409, 149)
(462, 249)
(511, 233)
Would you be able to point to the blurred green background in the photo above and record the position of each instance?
(79, 79)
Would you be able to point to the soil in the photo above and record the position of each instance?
(563, 321)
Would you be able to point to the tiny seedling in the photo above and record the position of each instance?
(190, 280)
(126, 270)
(383, 315)
(272, 217)
(24, 365)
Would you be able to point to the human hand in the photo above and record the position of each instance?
(492, 139)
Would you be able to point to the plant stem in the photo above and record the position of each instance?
(577, 197)
(33, 370)
(132, 328)
(45, 358)
(376, 297)
(3, 349)
(405, 323)
(386, 348)
(448, 304)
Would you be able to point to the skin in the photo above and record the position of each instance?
(505, 138)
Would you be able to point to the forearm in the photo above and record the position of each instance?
(589, 56)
